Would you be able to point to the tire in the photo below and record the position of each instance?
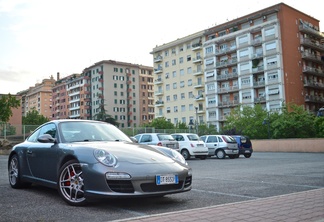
(70, 183)
(185, 154)
(14, 173)
(248, 155)
(220, 154)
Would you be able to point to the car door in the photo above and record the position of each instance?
(42, 158)
(212, 144)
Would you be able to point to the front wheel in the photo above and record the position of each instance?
(14, 173)
(185, 154)
(70, 183)
(220, 154)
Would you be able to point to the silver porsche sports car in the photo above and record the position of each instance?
(86, 159)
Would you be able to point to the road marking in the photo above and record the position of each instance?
(225, 194)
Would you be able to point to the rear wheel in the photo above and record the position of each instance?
(220, 154)
(14, 173)
(248, 155)
(185, 154)
(70, 183)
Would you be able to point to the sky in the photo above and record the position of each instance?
(39, 38)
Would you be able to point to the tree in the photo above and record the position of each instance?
(7, 102)
(296, 123)
(161, 123)
(34, 118)
(248, 121)
(103, 116)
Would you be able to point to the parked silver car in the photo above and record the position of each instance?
(158, 139)
(221, 146)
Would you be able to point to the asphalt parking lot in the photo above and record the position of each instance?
(215, 182)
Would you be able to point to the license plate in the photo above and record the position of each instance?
(167, 179)
(247, 151)
(170, 145)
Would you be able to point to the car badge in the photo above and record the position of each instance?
(153, 159)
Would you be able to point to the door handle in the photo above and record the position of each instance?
(29, 152)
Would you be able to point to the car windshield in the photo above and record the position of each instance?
(229, 139)
(193, 137)
(79, 131)
(165, 137)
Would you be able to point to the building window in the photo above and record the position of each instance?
(181, 60)
(174, 85)
(175, 109)
(166, 64)
(182, 84)
(174, 74)
(188, 58)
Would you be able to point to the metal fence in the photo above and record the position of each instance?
(21, 132)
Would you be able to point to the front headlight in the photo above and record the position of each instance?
(177, 156)
(105, 158)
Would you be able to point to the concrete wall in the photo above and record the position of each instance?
(288, 145)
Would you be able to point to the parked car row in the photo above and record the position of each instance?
(191, 145)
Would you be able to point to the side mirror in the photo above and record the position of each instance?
(46, 138)
(134, 139)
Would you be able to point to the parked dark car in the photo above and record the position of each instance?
(244, 144)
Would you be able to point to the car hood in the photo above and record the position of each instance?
(128, 152)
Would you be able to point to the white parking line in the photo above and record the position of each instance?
(225, 194)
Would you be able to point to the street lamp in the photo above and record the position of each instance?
(196, 108)
(267, 121)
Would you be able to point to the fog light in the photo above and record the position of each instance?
(117, 175)
(190, 172)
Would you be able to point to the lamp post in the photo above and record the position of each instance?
(196, 108)
(267, 121)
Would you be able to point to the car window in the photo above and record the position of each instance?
(193, 137)
(203, 138)
(146, 138)
(165, 137)
(46, 129)
(212, 139)
(220, 139)
(229, 139)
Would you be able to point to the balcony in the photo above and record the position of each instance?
(258, 69)
(158, 81)
(197, 59)
(315, 85)
(158, 93)
(196, 46)
(197, 72)
(260, 99)
(158, 59)
(198, 85)
(257, 41)
(312, 43)
(228, 89)
(313, 71)
(312, 57)
(199, 97)
(228, 103)
(314, 99)
(158, 70)
(227, 76)
(258, 84)
(305, 28)
(159, 103)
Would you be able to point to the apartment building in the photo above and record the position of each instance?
(179, 80)
(38, 97)
(70, 98)
(115, 86)
(146, 95)
(270, 57)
